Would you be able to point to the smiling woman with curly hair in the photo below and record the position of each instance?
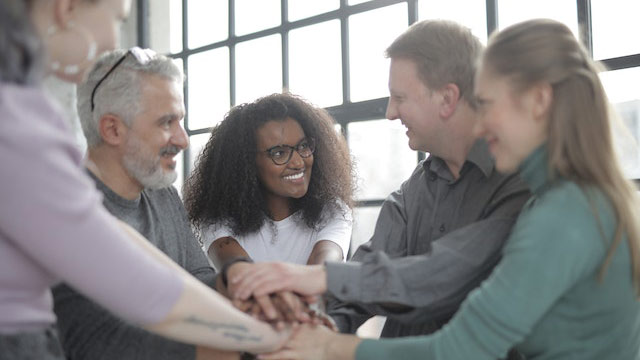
(273, 183)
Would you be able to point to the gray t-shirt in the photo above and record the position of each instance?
(88, 331)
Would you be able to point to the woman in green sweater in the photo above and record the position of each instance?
(567, 285)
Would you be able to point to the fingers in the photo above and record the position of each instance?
(232, 272)
(326, 320)
(311, 299)
(284, 308)
(242, 305)
(268, 308)
(267, 278)
(260, 279)
(298, 309)
(256, 311)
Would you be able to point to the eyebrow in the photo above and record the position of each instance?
(294, 145)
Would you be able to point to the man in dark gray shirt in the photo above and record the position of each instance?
(131, 109)
(455, 211)
(440, 235)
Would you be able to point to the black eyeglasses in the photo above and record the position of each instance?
(281, 154)
(142, 56)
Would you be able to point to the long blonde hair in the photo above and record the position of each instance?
(580, 142)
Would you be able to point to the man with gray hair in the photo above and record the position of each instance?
(131, 108)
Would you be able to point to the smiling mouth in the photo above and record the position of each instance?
(294, 177)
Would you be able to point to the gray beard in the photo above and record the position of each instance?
(145, 167)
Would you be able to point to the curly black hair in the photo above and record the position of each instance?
(224, 185)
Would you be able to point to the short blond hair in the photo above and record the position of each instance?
(444, 51)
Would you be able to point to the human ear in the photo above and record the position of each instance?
(542, 99)
(450, 96)
(112, 130)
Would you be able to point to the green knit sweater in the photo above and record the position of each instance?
(543, 297)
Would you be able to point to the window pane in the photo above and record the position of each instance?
(315, 63)
(208, 22)
(252, 15)
(623, 92)
(514, 11)
(196, 144)
(474, 15)
(353, 2)
(368, 67)
(300, 9)
(165, 18)
(258, 68)
(364, 222)
(208, 82)
(614, 24)
(383, 157)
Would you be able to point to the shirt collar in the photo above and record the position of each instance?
(481, 157)
(112, 195)
(478, 155)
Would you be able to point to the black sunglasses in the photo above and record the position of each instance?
(142, 56)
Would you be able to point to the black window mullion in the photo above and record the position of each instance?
(284, 37)
(622, 62)
(344, 48)
(412, 7)
(584, 23)
(142, 19)
(492, 16)
(232, 53)
(186, 154)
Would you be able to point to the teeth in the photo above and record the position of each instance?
(294, 177)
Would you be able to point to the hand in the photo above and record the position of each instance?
(266, 278)
(280, 307)
(315, 343)
(321, 318)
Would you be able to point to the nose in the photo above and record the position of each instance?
(179, 137)
(296, 162)
(392, 111)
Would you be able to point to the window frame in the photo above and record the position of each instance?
(348, 111)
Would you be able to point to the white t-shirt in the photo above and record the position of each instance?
(288, 240)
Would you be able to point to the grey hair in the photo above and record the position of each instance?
(119, 93)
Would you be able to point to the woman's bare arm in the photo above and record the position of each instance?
(203, 317)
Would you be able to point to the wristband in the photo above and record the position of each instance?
(227, 265)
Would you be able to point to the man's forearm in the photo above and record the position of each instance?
(445, 275)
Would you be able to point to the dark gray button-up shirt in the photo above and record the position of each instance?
(436, 239)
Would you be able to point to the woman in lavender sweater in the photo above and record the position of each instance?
(52, 225)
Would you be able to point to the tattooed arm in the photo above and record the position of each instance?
(203, 317)
(225, 249)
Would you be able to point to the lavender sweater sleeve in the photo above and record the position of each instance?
(54, 227)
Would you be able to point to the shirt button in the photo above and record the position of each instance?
(442, 228)
(432, 177)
